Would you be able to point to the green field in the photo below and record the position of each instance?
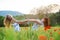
(28, 34)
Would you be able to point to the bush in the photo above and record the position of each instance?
(1, 21)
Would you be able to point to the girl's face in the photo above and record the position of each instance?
(8, 17)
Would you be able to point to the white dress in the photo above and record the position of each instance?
(35, 25)
(16, 27)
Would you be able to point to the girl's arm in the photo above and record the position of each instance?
(34, 20)
(18, 21)
(26, 20)
(21, 22)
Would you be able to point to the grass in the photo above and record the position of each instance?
(28, 34)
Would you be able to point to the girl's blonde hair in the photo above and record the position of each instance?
(7, 21)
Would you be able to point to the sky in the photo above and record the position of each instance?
(25, 6)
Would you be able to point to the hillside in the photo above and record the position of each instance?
(13, 13)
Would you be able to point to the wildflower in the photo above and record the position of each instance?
(26, 28)
(51, 34)
(47, 27)
(42, 37)
(51, 38)
(59, 28)
(55, 30)
(59, 33)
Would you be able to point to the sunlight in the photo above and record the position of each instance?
(24, 6)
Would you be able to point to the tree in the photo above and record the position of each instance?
(44, 11)
(55, 18)
(1, 21)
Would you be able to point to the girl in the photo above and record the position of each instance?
(45, 22)
(9, 20)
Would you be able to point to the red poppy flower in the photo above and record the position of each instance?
(47, 27)
(42, 37)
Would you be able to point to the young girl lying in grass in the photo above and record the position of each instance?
(9, 20)
(45, 22)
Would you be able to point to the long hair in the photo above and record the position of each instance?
(7, 21)
(46, 22)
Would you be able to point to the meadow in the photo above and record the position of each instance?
(26, 33)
